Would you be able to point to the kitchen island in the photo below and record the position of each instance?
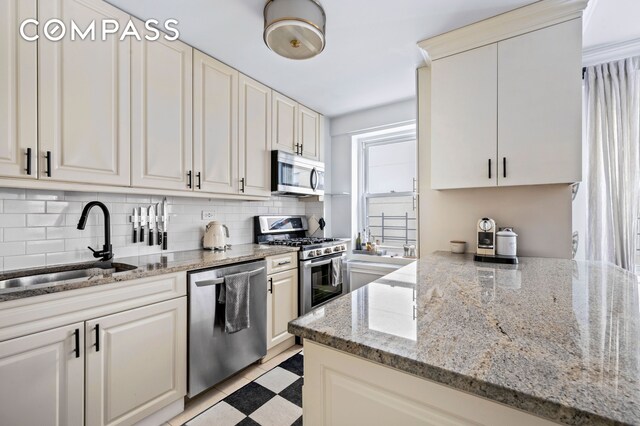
(446, 340)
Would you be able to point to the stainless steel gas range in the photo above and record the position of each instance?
(318, 258)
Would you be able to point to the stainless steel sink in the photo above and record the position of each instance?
(26, 279)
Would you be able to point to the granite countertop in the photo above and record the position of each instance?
(145, 266)
(556, 338)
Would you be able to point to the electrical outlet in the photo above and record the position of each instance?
(208, 215)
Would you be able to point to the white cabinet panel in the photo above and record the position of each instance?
(18, 91)
(84, 95)
(254, 135)
(309, 129)
(215, 125)
(161, 100)
(539, 106)
(282, 305)
(464, 96)
(139, 365)
(285, 124)
(43, 379)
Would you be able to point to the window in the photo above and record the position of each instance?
(387, 207)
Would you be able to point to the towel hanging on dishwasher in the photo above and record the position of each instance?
(234, 294)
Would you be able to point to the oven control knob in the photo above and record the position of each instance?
(311, 253)
(336, 248)
(328, 250)
(343, 248)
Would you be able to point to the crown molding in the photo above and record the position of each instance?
(528, 18)
(610, 52)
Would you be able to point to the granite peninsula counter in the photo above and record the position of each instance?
(558, 339)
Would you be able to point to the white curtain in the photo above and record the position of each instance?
(613, 138)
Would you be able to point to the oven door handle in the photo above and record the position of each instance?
(324, 262)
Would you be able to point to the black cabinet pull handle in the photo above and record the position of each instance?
(189, 179)
(297, 148)
(97, 337)
(28, 154)
(242, 185)
(489, 168)
(271, 285)
(77, 338)
(504, 167)
(48, 157)
(199, 176)
(301, 148)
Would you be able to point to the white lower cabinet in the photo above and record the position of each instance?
(136, 362)
(282, 305)
(42, 378)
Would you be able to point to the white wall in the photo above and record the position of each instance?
(39, 227)
(342, 129)
(541, 215)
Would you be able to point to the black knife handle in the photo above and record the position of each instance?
(164, 241)
(135, 235)
(142, 234)
(151, 232)
(159, 237)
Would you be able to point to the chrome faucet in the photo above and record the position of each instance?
(106, 253)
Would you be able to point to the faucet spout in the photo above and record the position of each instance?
(106, 253)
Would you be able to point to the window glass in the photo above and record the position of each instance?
(391, 167)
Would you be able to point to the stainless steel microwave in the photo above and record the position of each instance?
(296, 176)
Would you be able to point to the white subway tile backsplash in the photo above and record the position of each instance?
(40, 227)
(20, 206)
(25, 261)
(24, 234)
(45, 220)
(45, 246)
(12, 248)
(12, 220)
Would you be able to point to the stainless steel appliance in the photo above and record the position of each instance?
(295, 175)
(315, 258)
(214, 354)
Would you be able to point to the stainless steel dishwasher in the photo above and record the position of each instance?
(214, 354)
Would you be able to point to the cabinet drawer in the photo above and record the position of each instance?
(282, 262)
(31, 315)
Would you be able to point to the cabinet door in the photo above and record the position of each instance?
(161, 102)
(42, 378)
(539, 106)
(136, 362)
(18, 87)
(215, 126)
(309, 132)
(463, 119)
(282, 305)
(84, 95)
(254, 134)
(285, 123)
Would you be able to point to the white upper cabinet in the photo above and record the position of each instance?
(84, 98)
(254, 134)
(43, 378)
(309, 132)
(509, 113)
(296, 128)
(464, 98)
(285, 124)
(215, 126)
(161, 119)
(18, 92)
(539, 106)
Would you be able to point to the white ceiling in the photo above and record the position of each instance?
(371, 53)
(611, 21)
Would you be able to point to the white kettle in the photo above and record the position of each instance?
(215, 236)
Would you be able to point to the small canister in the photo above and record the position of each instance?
(507, 242)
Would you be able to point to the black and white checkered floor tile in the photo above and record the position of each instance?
(273, 399)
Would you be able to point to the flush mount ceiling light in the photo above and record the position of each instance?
(294, 28)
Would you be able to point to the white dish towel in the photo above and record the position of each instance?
(336, 271)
